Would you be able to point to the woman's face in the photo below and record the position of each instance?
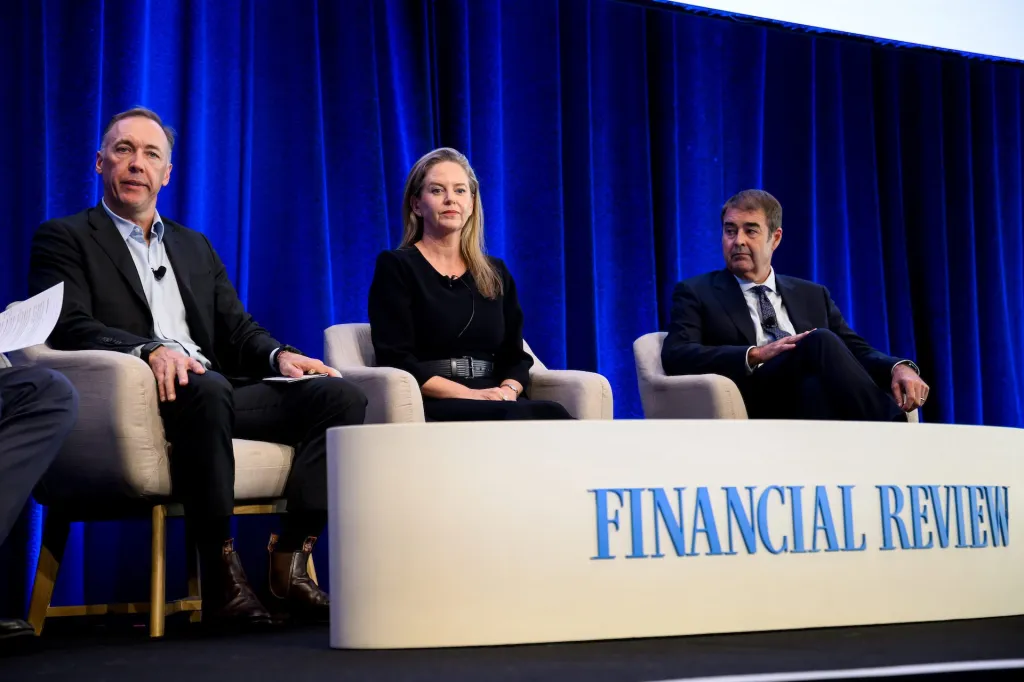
(445, 204)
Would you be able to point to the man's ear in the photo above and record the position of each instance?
(776, 238)
(99, 162)
(167, 175)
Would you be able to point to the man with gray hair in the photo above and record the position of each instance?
(136, 282)
(781, 339)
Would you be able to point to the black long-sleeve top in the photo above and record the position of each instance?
(417, 314)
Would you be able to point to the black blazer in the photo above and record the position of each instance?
(105, 307)
(711, 328)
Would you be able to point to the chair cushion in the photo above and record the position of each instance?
(261, 469)
(117, 448)
(700, 396)
(96, 472)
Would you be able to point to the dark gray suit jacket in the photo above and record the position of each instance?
(105, 307)
(711, 329)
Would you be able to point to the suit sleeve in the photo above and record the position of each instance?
(878, 364)
(392, 328)
(242, 346)
(55, 258)
(683, 351)
(511, 361)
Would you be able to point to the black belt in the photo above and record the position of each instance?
(460, 368)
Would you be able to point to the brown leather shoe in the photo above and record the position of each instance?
(292, 590)
(231, 602)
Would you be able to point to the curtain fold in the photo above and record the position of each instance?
(606, 136)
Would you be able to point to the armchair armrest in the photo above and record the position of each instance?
(117, 445)
(393, 395)
(699, 396)
(586, 395)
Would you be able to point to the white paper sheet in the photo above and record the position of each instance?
(291, 380)
(30, 322)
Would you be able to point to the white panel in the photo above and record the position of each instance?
(986, 27)
(488, 533)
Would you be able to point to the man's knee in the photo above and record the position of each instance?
(55, 393)
(333, 400)
(821, 338)
(211, 391)
(820, 353)
(56, 386)
(344, 400)
(819, 349)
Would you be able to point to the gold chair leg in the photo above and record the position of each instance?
(55, 537)
(311, 570)
(195, 587)
(157, 581)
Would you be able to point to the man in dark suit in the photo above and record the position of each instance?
(38, 407)
(136, 282)
(781, 339)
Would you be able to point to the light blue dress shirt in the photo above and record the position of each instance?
(170, 324)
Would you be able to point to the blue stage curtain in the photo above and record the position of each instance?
(606, 136)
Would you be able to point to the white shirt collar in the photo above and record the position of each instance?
(127, 227)
(746, 286)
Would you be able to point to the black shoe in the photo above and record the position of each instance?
(12, 628)
(16, 636)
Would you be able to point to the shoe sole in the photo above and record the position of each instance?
(300, 618)
(281, 610)
(237, 626)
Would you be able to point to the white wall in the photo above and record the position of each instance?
(988, 27)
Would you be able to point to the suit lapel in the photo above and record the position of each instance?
(179, 262)
(106, 234)
(177, 254)
(794, 305)
(731, 298)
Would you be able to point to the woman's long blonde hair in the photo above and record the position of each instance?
(471, 241)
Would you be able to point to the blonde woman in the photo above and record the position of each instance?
(442, 310)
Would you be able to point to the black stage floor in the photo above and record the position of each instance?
(103, 651)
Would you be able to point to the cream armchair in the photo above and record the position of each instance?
(115, 465)
(698, 396)
(394, 395)
(701, 396)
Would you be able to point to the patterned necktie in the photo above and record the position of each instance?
(769, 321)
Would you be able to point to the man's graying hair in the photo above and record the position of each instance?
(142, 112)
(753, 199)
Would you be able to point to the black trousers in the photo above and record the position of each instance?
(819, 379)
(462, 410)
(38, 408)
(209, 411)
